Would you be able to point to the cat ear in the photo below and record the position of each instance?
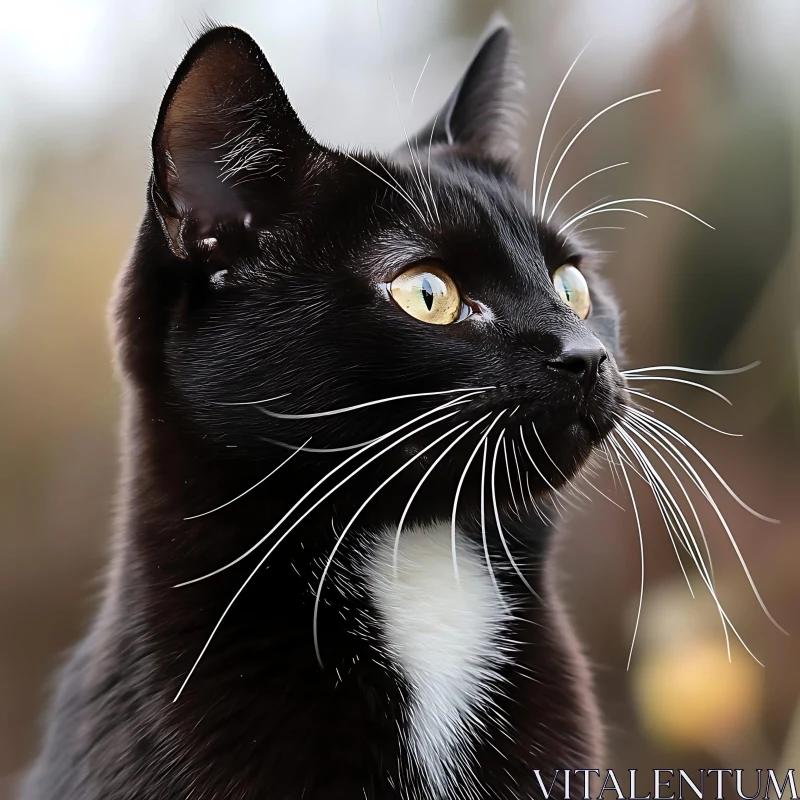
(228, 148)
(484, 113)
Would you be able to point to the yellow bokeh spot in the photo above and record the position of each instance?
(694, 697)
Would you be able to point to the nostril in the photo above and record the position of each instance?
(582, 362)
(575, 364)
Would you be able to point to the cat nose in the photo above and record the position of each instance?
(581, 360)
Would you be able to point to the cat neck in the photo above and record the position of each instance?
(434, 668)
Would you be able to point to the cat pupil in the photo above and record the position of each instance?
(427, 293)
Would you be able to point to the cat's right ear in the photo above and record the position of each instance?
(229, 151)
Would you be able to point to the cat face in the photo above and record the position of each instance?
(277, 279)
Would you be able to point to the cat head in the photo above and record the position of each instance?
(277, 278)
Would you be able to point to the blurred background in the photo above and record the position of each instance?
(80, 85)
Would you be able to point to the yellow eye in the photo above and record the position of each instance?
(572, 289)
(428, 293)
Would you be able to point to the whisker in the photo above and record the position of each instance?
(483, 525)
(736, 371)
(416, 145)
(508, 472)
(594, 204)
(665, 505)
(707, 574)
(687, 466)
(578, 134)
(254, 486)
(639, 200)
(530, 457)
(255, 402)
(453, 516)
(612, 463)
(617, 448)
(600, 228)
(554, 153)
(544, 126)
(549, 458)
(642, 434)
(402, 192)
(419, 80)
(578, 183)
(424, 478)
(284, 535)
(385, 436)
(652, 399)
(287, 446)
(683, 440)
(334, 411)
(417, 178)
(430, 148)
(347, 527)
(519, 472)
(596, 210)
(678, 380)
(499, 524)
(542, 516)
(583, 494)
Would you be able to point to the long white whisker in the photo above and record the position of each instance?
(483, 525)
(281, 538)
(347, 527)
(385, 436)
(417, 178)
(699, 483)
(642, 434)
(422, 481)
(334, 411)
(596, 210)
(287, 446)
(658, 400)
(578, 183)
(683, 440)
(402, 192)
(542, 516)
(600, 228)
(678, 380)
(255, 402)
(681, 527)
(560, 471)
(454, 516)
(508, 473)
(578, 490)
(616, 447)
(708, 576)
(500, 525)
(652, 442)
(535, 465)
(254, 486)
(736, 371)
(519, 473)
(544, 126)
(638, 200)
(419, 80)
(578, 134)
(430, 147)
(665, 502)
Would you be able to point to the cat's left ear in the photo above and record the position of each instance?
(484, 114)
(229, 151)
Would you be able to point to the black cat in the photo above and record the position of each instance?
(354, 384)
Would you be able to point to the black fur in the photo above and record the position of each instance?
(260, 270)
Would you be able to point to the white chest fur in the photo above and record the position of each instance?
(448, 637)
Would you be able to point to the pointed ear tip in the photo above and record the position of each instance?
(498, 27)
(211, 32)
